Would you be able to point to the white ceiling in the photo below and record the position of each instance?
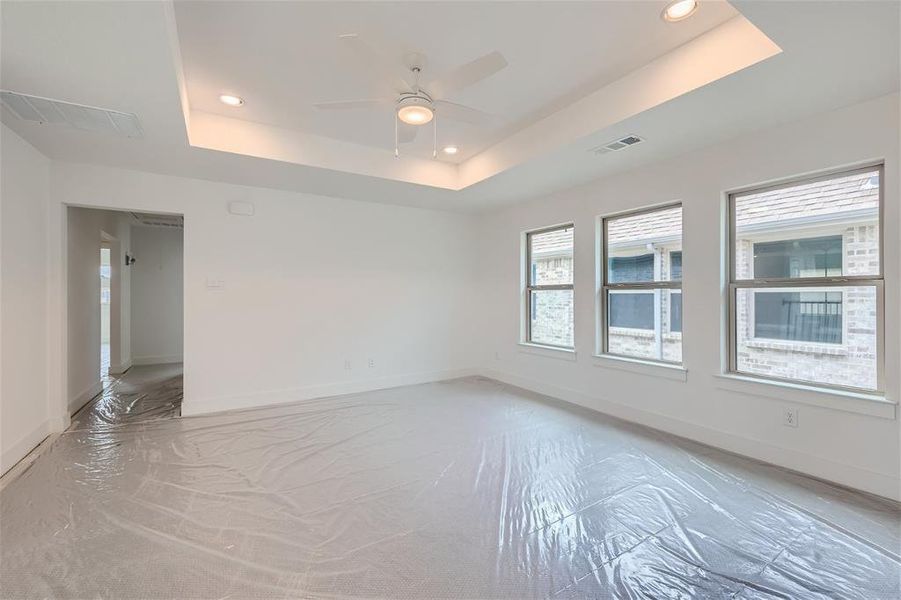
(127, 56)
(288, 56)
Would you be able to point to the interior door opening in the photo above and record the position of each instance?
(105, 301)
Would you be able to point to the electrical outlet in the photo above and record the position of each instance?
(371, 363)
(790, 417)
(347, 365)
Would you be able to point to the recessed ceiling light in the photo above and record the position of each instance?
(451, 149)
(678, 10)
(231, 100)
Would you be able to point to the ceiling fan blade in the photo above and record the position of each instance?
(375, 61)
(465, 114)
(468, 74)
(406, 133)
(351, 104)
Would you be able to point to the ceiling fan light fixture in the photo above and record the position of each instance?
(451, 150)
(415, 110)
(678, 10)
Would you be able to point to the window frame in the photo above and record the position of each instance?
(606, 286)
(836, 284)
(530, 287)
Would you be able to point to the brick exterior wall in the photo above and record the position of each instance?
(851, 363)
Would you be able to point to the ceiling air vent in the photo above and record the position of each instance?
(629, 140)
(56, 112)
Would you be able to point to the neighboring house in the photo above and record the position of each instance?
(821, 229)
(644, 248)
(827, 228)
(552, 310)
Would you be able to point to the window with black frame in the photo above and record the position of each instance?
(549, 313)
(806, 286)
(641, 291)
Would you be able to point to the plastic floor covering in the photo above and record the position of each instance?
(460, 489)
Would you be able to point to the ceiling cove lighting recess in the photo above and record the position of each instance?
(678, 10)
(231, 100)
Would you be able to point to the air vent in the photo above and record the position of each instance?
(629, 140)
(153, 220)
(56, 112)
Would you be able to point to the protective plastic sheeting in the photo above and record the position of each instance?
(461, 489)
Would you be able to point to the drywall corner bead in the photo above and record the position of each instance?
(243, 209)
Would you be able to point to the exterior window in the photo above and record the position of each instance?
(549, 289)
(806, 281)
(642, 281)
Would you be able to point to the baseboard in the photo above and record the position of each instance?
(156, 360)
(276, 397)
(821, 468)
(85, 396)
(21, 447)
(119, 369)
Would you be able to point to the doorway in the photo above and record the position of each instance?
(105, 309)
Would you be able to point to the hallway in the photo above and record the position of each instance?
(143, 393)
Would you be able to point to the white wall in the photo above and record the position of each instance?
(156, 295)
(308, 284)
(856, 449)
(24, 414)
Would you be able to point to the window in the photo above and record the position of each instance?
(806, 287)
(641, 299)
(549, 287)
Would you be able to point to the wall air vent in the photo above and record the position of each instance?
(56, 112)
(629, 140)
(154, 220)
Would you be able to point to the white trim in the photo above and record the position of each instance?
(25, 444)
(156, 360)
(861, 403)
(76, 403)
(275, 397)
(841, 218)
(548, 351)
(672, 371)
(802, 462)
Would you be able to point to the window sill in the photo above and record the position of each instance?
(800, 347)
(862, 403)
(548, 351)
(643, 367)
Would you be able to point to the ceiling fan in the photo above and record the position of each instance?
(413, 104)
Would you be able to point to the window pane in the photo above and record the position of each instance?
(675, 323)
(780, 233)
(640, 247)
(632, 310)
(629, 269)
(675, 261)
(812, 257)
(631, 320)
(551, 254)
(552, 317)
(799, 316)
(817, 335)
